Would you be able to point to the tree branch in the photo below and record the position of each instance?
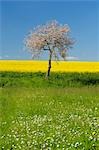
(46, 49)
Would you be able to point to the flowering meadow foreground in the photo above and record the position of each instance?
(59, 113)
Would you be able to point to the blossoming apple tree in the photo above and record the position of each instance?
(51, 37)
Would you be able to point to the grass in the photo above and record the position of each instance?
(74, 79)
(56, 114)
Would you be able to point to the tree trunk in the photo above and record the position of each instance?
(49, 65)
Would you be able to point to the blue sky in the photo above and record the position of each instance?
(19, 17)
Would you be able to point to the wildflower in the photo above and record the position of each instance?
(76, 144)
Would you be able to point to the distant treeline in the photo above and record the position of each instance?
(74, 79)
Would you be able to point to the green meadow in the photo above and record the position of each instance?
(59, 113)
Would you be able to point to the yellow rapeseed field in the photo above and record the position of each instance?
(34, 66)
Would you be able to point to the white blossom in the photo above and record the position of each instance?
(51, 36)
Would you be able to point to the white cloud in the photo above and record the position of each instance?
(71, 58)
(0, 57)
(6, 56)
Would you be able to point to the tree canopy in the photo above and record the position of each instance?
(51, 36)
